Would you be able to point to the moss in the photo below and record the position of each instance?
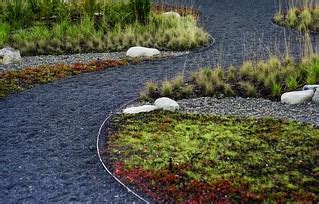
(268, 159)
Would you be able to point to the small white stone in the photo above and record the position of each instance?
(139, 109)
(315, 98)
(9, 55)
(297, 97)
(171, 13)
(166, 104)
(313, 87)
(139, 51)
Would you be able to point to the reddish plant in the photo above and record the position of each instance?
(173, 186)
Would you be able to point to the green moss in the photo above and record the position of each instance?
(270, 156)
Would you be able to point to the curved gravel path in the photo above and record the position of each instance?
(48, 133)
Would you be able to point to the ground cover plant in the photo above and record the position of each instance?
(176, 157)
(18, 80)
(302, 15)
(56, 27)
(265, 78)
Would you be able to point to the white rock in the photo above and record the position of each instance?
(166, 104)
(9, 55)
(311, 87)
(315, 98)
(297, 97)
(139, 109)
(139, 51)
(171, 13)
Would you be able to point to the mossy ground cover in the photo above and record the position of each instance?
(175, 157)
(18, 80)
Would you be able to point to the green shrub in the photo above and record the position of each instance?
(306, 18)
(4, 34)
(166, 88)
(142, 10)
(292, 17)
(292, 83)
(276, 89)
(248, 88)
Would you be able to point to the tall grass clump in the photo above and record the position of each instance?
(268, 79)
(302, 15)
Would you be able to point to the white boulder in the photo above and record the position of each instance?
(315, 98)
(297, 97)
(166, 104)
(9, 55)
(139, 51)
(311, 87)
(171, 13)
(139, 109)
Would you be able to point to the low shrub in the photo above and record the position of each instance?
(268, 79)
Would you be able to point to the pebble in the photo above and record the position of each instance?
(255, 107)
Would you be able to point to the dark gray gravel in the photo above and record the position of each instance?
(304, 113)
(48, 133)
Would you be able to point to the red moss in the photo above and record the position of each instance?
(18, 80)
(171, 187)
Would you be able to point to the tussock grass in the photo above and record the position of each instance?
(302, 15)
(268, 79)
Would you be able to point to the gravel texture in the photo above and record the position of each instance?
(304, 113)
(48, 133)
(34, 61)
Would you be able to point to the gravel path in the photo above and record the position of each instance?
(48, 133)
(33, 61)
(304, 113)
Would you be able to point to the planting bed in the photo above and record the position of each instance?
(57, 27)
(267, 79)
(176, 157)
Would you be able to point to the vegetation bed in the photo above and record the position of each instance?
(264, 78)
(175, 157)
(56, 27)
(18, 80)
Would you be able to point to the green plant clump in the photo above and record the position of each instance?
(268, 79)
(303, 19)
(177, 157)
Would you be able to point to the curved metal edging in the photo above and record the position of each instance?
(101, 160)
